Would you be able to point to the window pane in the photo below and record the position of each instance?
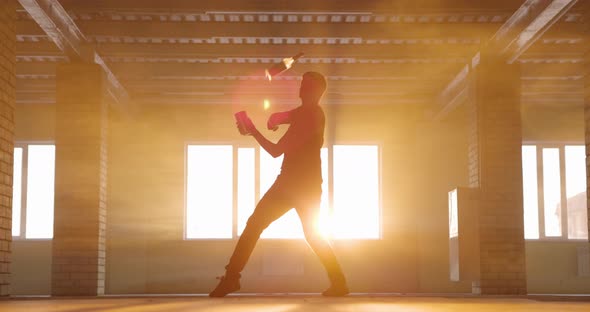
(17, 176)
(246, 197)
(575, 181)
(325, 226)
(530, 192)
(453, 214)
(209, 191)
(552, 191)
(40, 191)
(288, 226)
(356, 191)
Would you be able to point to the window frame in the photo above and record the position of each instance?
(24, 179)
(563, 191)
(257, 153)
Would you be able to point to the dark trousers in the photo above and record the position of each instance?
(283, 195)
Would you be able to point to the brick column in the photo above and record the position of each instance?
(7, 102)
(80, 181)
(495, 168)
(587, 126)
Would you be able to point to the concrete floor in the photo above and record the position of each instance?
(308, 303)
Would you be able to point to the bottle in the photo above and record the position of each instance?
(240, 120)
(279, 68)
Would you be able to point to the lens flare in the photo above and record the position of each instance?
(266, 104)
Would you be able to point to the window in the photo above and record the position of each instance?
(211, 211)
(554, 191)
(575, 183)
(33, 191)
(209, 196)
(356, 192)
(17, 182)
(551, 192)
(530, 192)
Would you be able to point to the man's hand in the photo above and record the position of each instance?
(277, 119)
(248, 126)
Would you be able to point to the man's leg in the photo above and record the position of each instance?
(271, 207)
(309, 215)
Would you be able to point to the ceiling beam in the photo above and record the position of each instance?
(42, 48)
(368, 85)
(143, 70)
(35, 97)
(36, 68)
(170, 69)
(403, 72)
(382, 51)
(57, 24)
(527, 25)
(434, 50)
(192, 99)
(458, 90)
(208, 30)
(190, 50)
(157, 30)
(228, 86)
(522, 29)
(380, 6)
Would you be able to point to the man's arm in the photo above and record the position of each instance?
(280, 118)
(291, 140)
(275, 150)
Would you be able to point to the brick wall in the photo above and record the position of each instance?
(587, 123)
(7, 102)
(80, 187)
(495, 158)
(473, 136)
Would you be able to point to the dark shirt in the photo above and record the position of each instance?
(303, 163)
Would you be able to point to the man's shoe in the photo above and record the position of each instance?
(226, 285)
(336, 291)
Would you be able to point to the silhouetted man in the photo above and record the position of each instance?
(298, 186)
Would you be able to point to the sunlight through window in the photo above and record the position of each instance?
(552, 191)
(209, 191)
(356, 191)
(530, 192)
(324, 223)
(40, 191)
(17, 190)
(575, 181)
(557, 195)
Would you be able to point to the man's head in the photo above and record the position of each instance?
(313, 87)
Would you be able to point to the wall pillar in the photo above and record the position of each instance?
(7, 105)
(80, 181)
(587, 134)
(495, 169)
